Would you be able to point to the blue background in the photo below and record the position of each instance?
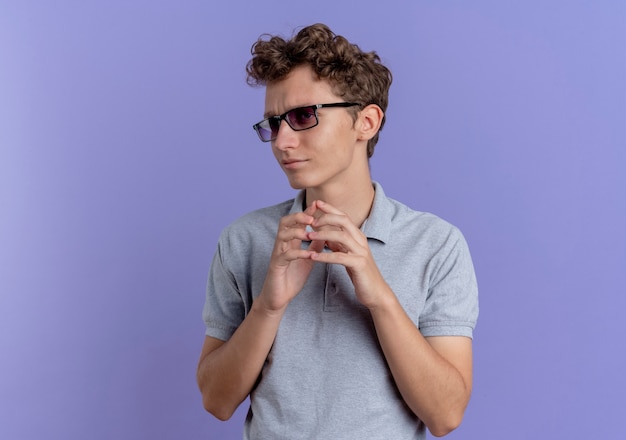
(126, 146)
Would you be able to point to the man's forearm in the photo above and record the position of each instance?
(435, 389)
(227, 373)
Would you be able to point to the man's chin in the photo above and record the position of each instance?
(298, 184)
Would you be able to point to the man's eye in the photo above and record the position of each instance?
(303, 115)
(272, 124)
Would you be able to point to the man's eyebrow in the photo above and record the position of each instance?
(270, 114)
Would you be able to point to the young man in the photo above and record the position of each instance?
(343, 314)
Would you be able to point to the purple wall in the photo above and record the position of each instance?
(126, 146)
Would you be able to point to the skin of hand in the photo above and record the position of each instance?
(437, 386)
(290, 265)
(434, 375)
(350, 249)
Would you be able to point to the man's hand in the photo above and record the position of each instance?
(228, 371)
(290, 265)
(434, 376)
(350, 249)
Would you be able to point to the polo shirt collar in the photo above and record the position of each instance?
(377, 225)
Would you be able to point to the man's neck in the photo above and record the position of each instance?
(355, 201)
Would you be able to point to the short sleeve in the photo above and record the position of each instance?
(224, 308)
(451, 307)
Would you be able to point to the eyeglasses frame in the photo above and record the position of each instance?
(283, 117)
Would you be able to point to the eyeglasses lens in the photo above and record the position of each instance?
(268, 129)
(302, 118)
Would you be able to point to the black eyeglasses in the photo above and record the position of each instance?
(301, 118)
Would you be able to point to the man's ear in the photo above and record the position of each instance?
(369, 121)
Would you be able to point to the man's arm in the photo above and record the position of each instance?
(227, 371)
(434, 375)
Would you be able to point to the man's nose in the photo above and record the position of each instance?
(286, 137)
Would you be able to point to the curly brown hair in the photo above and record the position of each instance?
(354, 75)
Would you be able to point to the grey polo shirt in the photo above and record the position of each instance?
(325, 376)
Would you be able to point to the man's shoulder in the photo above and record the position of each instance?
(258, 221)
(268, 213)
(393, 221)
(402, 213)
(422, 226)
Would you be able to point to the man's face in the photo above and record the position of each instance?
(323, 157)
